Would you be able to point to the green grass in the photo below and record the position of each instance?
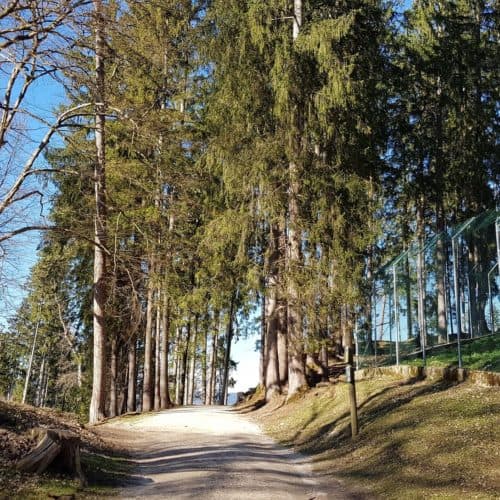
(480, 354)
(417, 440)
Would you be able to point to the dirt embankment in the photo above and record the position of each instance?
(16, 441)
(17, 421)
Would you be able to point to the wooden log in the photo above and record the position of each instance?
(58, 449)
(41, 457)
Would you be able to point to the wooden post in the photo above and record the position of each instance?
(349, 372)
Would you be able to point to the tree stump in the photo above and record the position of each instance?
(57, 449)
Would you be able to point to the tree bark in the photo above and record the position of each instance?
(97, 402)
(175, 368)
(347, 333)
(46, 387)
(204, 367)
(40, 387)
(227, 354)
(282, 309)
(296, 366)
(113, 378)
(165, 329)
(192, 368)
(272, 374)
(30, 364)
(157, 402)
(420, 274)
(213, 359)
(442, 326)
(131, 391)
(282, 343)
(147, 394)
(185, 359)
(262, 357)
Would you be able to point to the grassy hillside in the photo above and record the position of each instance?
(417, 439)
(479, 354)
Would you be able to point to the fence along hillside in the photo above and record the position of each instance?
(437, 288)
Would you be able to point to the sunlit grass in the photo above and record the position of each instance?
(480, 354)
(421, 440)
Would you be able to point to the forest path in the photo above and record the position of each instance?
(213, 453)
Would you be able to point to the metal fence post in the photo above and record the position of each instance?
(374, 321)
(497, 231)
(396, 311)
(490, 295)
(458, 311)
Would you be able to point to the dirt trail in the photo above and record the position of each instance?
(213, 453)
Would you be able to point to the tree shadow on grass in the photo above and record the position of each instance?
(337, 432)
(249, 408)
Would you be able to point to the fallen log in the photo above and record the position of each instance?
(57, 449)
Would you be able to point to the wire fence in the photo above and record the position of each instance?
(441, 293)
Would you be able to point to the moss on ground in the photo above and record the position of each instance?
(417, 439)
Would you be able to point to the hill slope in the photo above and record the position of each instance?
(417, 439)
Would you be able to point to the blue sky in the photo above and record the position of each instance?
(20, 253)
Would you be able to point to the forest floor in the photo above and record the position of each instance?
(417, 440)
(102, 459)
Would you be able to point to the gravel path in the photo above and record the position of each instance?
(214, 453)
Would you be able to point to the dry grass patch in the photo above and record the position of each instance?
(417, 439)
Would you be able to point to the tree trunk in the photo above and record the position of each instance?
(272, 374)
(409, 307)
(185, 357)
(147, 395)
(175, 368)
(420, 275)
(97, 402)
(40, 387)
(369, 302)
(113, 378)
(282, 343)
(262, 357)
(227, 354)
(204, 362)
(30, 364)
(165, 329)
(323, 361)
(157, 402)
(442, 326)
(296, 366)
(192, 369)
(478, 284)
(59, 448)
(46, 387)
(131, 390)
(347, 333)
(213, 359)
